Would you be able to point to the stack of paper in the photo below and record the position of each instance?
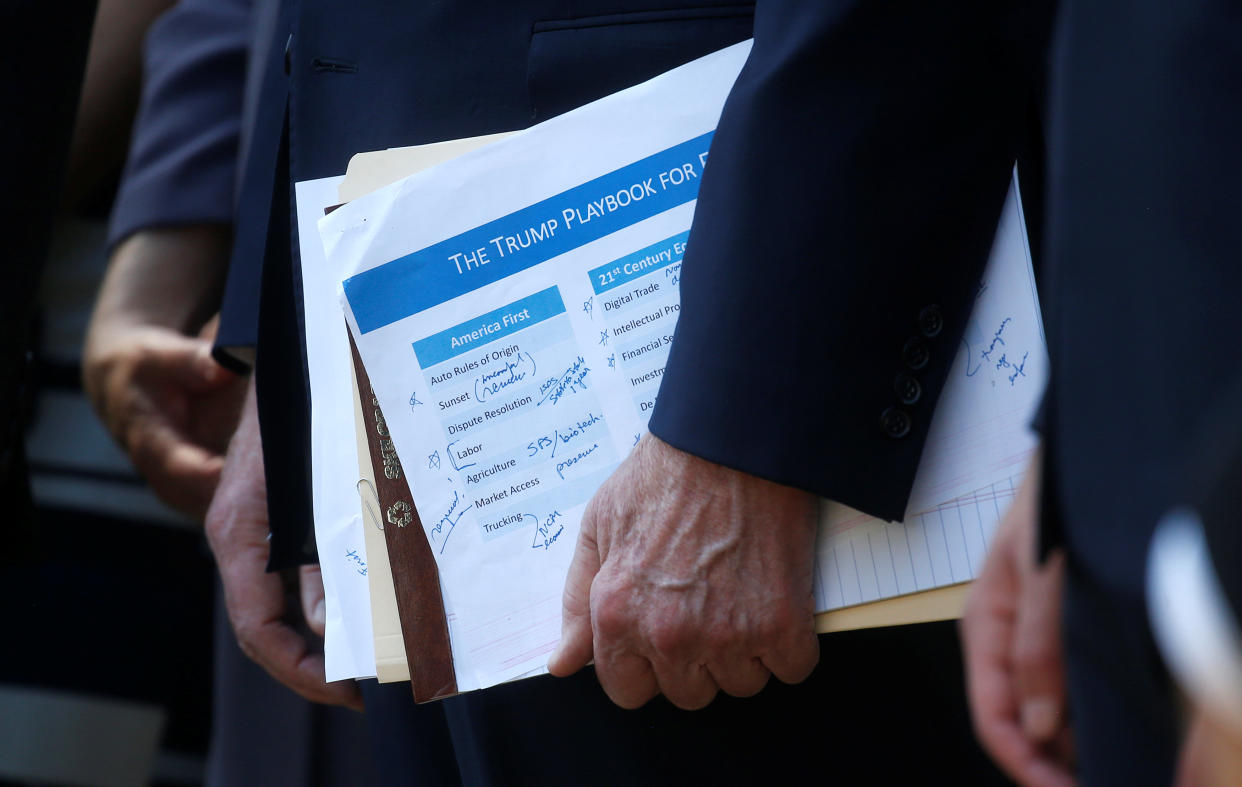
(513, 306)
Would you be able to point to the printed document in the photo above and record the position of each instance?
(514, 309)
(348, 650)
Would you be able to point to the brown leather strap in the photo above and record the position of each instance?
(414, 575)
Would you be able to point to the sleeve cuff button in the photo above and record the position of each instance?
(895, 422)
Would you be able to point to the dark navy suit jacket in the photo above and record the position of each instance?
(183, 157)
(810, 298)
(340, 78)
(1143, 287)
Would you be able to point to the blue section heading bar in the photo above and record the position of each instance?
(489, 327)
(535, 234)
(640, 263)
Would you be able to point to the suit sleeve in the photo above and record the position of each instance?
(183, 155)
(846, 213)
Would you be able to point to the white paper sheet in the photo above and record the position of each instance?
(348, 648)
(976, 450)
(517, 303)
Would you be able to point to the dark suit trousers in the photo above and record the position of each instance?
(883, 707)
(1123, 708)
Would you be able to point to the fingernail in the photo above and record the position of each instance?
(318, 615)
(1039, 718)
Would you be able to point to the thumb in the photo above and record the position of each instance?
(204, 369)
(576, 650)
(310, 580)
(188, 361)
(1038, 663)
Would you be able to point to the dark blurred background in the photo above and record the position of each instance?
(105, 594)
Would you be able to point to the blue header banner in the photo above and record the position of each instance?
(535, 234)
(640, 263)
(486, 328)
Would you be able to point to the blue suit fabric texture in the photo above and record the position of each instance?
(1142, 280)
(182, 162)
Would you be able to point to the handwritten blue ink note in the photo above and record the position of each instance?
(443, 528)
(570, 381)
(548, 530)
(509, 373)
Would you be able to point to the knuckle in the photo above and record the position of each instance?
(669, 637)
(750, 688)
(798, 672)
(611, 615)
(800, 661)
(721, 639)
(783, 620)
(770, 629)
(746, 689)
(630, 700)
(787, 634)
(694, 701)
(749, 683)
(1032, 657)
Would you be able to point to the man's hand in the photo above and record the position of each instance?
(1011, 638)
(168, 404)
(690, 578)
(157, 389)
(237, 532)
